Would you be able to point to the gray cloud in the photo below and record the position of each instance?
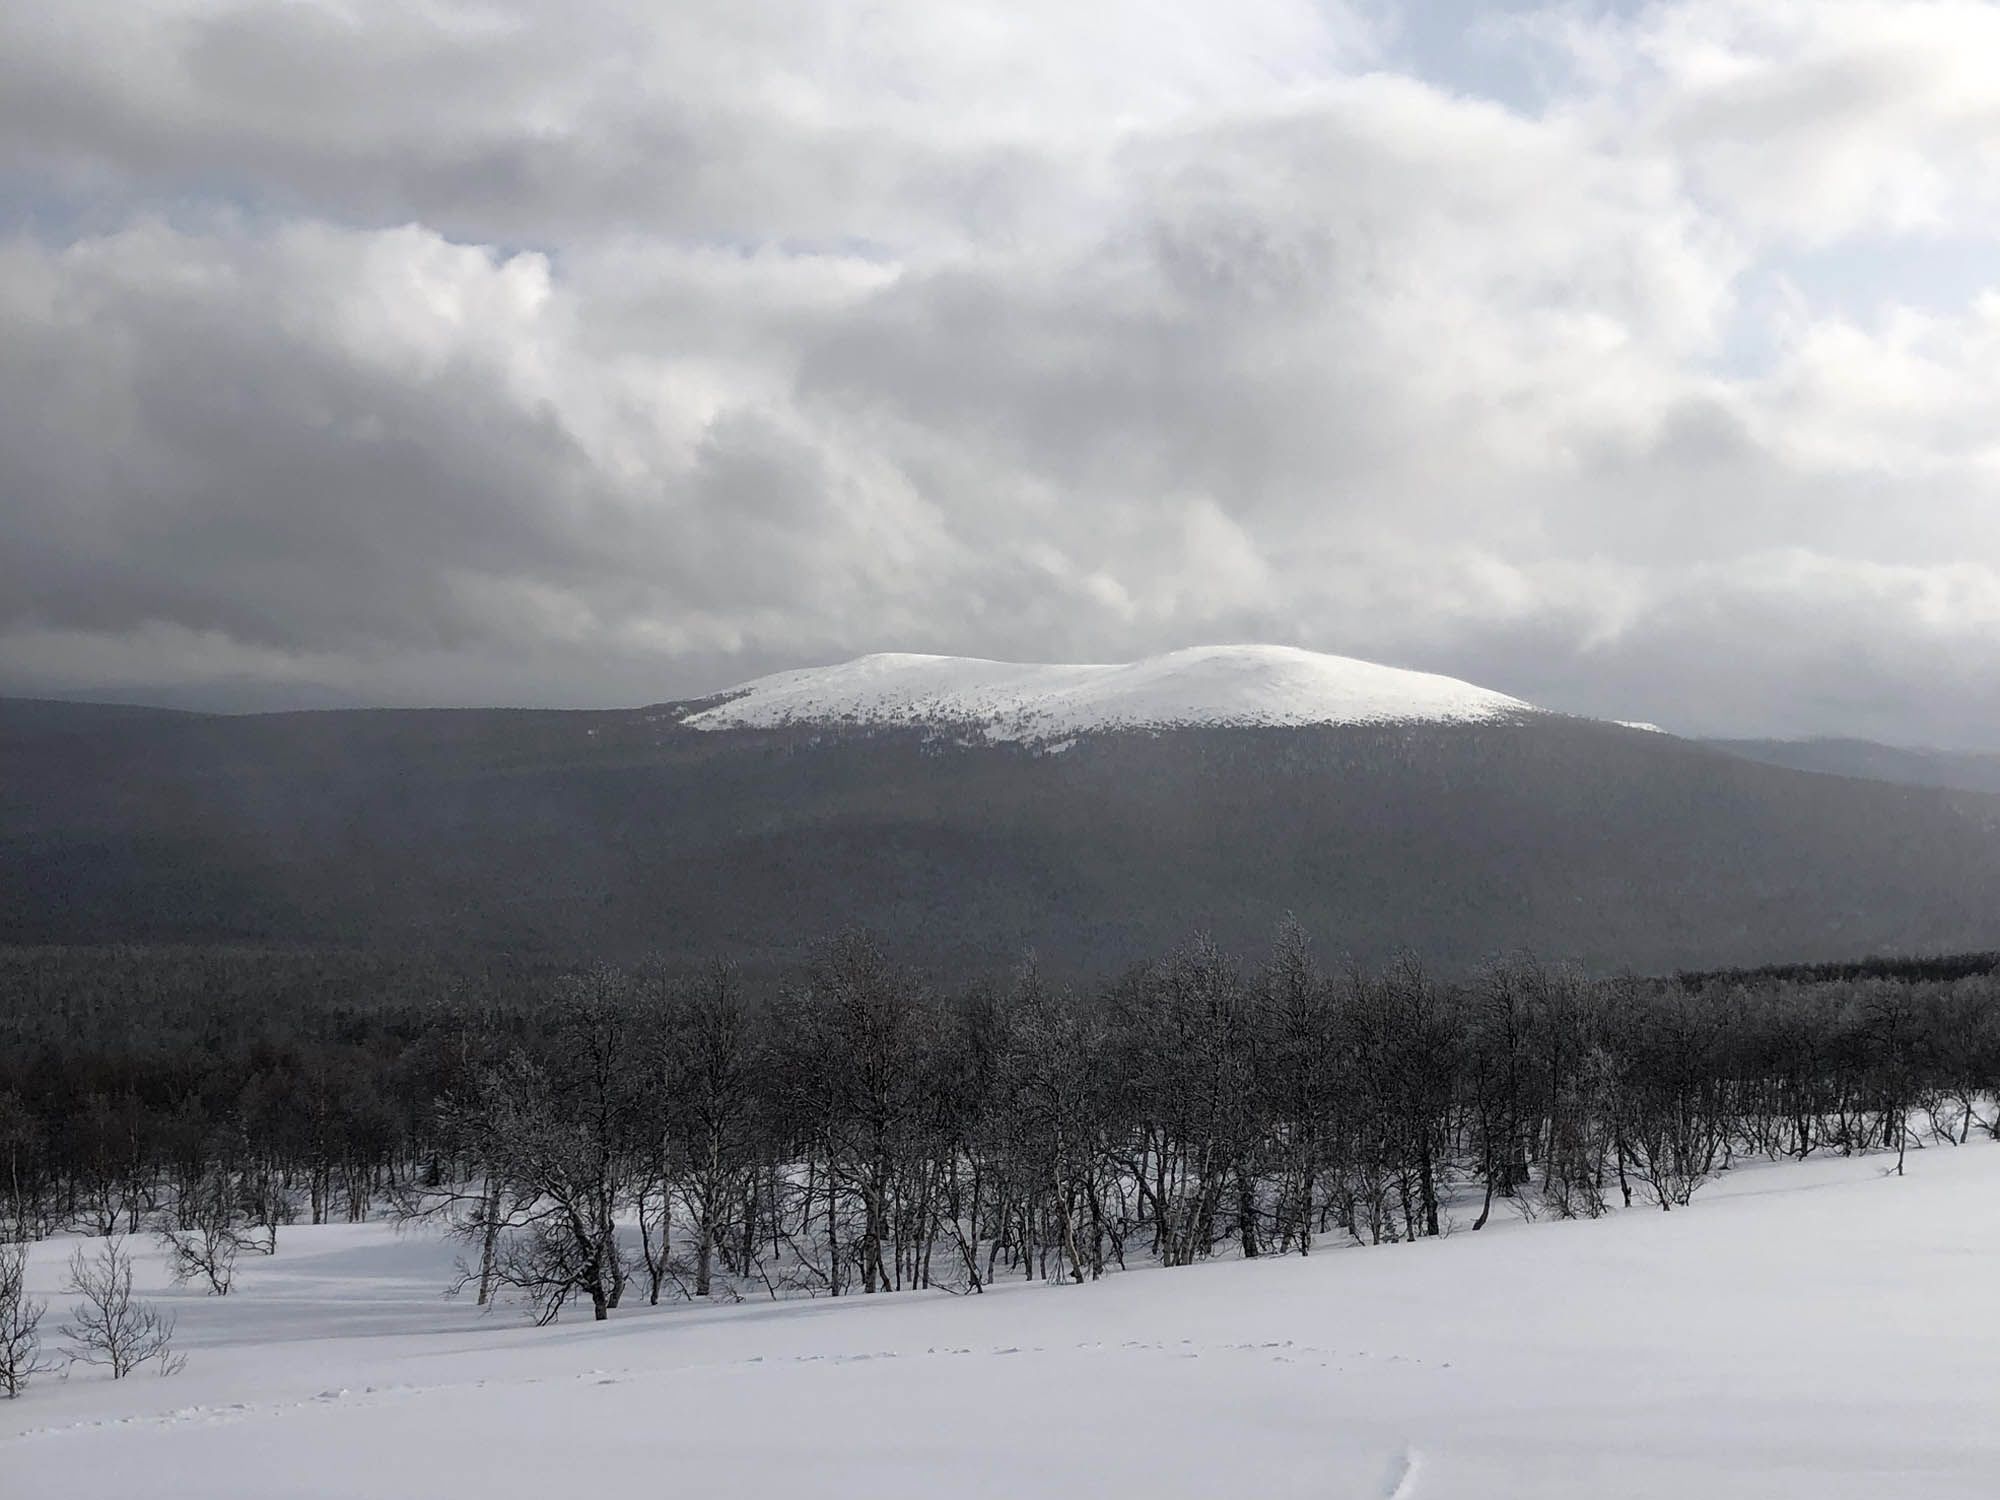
(603, 353)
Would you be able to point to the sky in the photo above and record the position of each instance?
(1639, 360)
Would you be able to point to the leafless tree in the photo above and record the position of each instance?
(555, 1137)
(207, 1247)
(1302, 1079)
(709, 1107)
(863, 1028)
(108, 1326)
(21, 1357)
(1052, 1087)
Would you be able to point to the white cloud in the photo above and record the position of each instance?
(1809, 119)
(600, 352)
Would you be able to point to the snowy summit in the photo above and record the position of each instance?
(1203, 685)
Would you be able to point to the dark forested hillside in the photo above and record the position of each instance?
(550, 833)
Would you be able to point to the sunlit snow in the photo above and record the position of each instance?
(1203, 685)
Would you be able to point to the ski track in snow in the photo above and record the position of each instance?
(1403, 1483)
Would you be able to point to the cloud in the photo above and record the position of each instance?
(1808, 119)
(600, 353)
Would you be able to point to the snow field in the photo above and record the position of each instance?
(1810, 1330)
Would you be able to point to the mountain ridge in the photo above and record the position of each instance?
(1872, 760)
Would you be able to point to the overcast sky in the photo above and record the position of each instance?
(1639, 360)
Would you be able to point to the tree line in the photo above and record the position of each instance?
(662, 1132)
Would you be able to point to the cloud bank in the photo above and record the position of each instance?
(1636, 360)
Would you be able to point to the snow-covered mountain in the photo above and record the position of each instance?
(1203, 685)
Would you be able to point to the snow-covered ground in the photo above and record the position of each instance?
(1233, 685)
(1816, 1330)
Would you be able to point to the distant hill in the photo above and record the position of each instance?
(1963, 771)
(571, 833)
(26, 716)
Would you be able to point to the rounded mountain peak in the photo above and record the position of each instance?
(1238, 685)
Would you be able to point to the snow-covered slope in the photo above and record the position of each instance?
(1204, 685)
(1814, 1330)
